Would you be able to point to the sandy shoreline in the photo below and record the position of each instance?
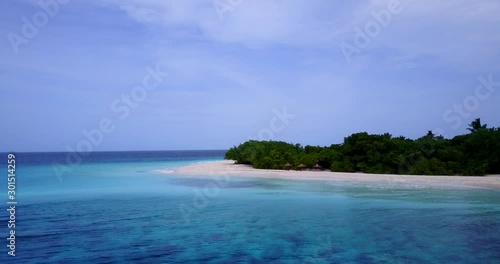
(228, 168)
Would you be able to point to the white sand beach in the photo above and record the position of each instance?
(229, 168)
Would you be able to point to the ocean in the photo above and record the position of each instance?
(114, 207)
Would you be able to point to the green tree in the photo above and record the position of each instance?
(475, 125)
(476, 153)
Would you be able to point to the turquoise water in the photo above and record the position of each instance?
(113, 208)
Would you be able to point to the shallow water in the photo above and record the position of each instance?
(113, 209)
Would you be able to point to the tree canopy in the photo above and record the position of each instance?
(476, 125)
(477, 153)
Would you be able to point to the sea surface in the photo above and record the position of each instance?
(113, 207)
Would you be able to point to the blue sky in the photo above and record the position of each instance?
(233, 64)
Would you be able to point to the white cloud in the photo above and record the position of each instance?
(449, 35)
(252, 23)
(447, 28)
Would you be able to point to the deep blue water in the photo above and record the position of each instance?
(113, 208)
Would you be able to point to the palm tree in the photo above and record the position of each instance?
(476, 125)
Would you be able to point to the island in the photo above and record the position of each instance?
(474, 154)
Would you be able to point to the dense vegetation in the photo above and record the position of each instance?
(476, 153)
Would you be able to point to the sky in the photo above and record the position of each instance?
(105, 75)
